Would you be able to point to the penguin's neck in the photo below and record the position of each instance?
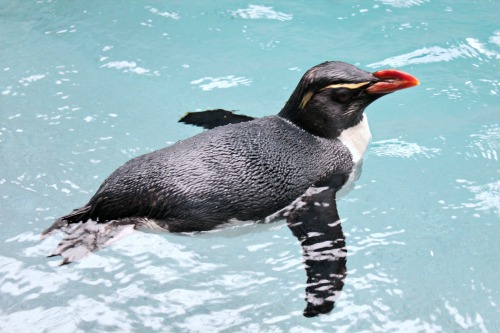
(321, 122)
(357, 138)
(316, 122)
(291, 110)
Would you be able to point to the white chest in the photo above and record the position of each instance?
(356, 139)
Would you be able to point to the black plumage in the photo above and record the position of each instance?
(230, 172)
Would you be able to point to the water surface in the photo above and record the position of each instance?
(85, 86)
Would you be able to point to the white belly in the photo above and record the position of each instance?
(356, 139)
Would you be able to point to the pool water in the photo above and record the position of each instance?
(85, 86)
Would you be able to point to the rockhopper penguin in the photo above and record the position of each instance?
(286, 166)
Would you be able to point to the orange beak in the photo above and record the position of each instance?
(391, 80)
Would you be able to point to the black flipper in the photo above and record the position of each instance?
(314, 220)
(213, 118)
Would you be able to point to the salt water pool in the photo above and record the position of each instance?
(87, 85)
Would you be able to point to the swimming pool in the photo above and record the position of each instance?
(85, 86)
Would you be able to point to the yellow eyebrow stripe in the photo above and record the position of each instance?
(346, 85)
(306, 99)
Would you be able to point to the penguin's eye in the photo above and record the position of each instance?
(342, 95)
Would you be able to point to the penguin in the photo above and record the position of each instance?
(287, 166)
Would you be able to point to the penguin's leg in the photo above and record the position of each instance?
(213, 118)
(314, 220)
(85, 237)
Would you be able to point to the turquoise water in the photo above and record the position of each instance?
(86, 85)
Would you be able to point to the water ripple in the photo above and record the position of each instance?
(25, 283)
(403, 3)
(172, 15)
(400, 148)
(210, 83)
(471, 48)
(485, 143)
(486, 197)
(255, 12)
(128, 66)
(465, 321)
(217, 321)
(246, 281)
(105, 315)
(495, 39)
(373, 240)
(51, 320)
(146, 244)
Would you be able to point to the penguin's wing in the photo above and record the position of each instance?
(213, 118)
(314, 220)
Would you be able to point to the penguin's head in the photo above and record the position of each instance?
(332, 96)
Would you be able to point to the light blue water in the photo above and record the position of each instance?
(85, 86)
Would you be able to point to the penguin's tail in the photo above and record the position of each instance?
(84, 236)
(76, 216)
